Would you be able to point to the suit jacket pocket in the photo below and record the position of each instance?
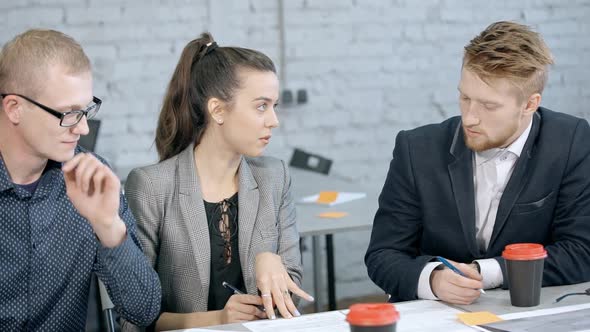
(525, 208)
(269, 235)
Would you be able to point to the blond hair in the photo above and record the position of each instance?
(25, 60)
(512, 51)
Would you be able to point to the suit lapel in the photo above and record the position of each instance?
(461, 174)
(193, 214)
(517, 181)
(248, 198)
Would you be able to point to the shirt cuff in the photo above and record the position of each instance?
(115, 256)
(491, 272)
(424, 290)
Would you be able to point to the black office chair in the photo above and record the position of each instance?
(100, 316)
(94, 322)
(89, 141)
(309, 161)
(107, 308)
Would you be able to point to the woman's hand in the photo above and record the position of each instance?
(241, 308)
(275, 285)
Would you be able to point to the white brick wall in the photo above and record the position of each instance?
(371, 68)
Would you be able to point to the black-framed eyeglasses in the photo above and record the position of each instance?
(66, 119)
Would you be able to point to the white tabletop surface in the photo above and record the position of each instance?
(496, 301)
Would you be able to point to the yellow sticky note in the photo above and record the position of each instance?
(332, 215)
(478, 318)
(327, 197)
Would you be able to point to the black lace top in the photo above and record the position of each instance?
(225, 256)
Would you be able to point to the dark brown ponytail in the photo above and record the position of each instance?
(201, 73)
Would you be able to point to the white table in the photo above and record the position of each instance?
(360, 217)
(496, 301)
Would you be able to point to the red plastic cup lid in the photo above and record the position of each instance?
(524, 251)
(372, 314)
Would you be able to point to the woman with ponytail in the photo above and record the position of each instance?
(213, 210)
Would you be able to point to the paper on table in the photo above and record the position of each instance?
(332, 215)
(332, 198)
(332, 321)
(415, 316)
(203, 330)
(541, 312)
(569, 318)
(424, 315)
(327, 197)
(478, 318)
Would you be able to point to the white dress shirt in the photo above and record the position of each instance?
(491, 172)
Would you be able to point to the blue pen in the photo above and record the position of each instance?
(239, 292)
(454, 269)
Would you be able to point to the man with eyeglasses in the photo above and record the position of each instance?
(62, 213)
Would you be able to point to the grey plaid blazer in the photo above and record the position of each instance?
(172, 225)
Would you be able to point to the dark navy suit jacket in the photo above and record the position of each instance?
(427, 205)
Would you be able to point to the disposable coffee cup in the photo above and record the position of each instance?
(524, 267)
(372, 317)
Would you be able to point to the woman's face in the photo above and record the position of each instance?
(247, 127)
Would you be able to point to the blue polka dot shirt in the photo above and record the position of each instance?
(48, 253)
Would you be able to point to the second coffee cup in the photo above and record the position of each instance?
(524, 267)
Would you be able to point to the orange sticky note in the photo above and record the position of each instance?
(478, 318)
(327, 197)
(333, 215)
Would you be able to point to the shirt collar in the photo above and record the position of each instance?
(516, 147)
(5, 180)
